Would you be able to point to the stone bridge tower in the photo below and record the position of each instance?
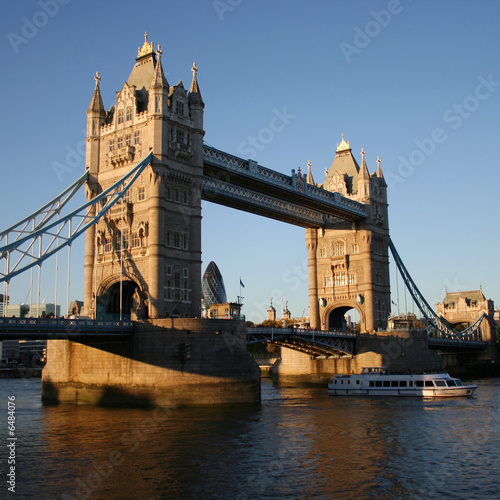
(349, 262)
(158, 273)
(464, 308)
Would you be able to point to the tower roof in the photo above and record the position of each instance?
(194, 89)
(159, 81)
(310, 179)
(345, 164)
(363, 171)
(96, 104)
(143, 71)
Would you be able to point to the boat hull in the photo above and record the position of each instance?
(378, 382)
(465, 391)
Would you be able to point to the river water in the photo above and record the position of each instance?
(300, 443)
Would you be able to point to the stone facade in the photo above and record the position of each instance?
(146, 254)
(349, 262)
(464, 308)
(402, 353)
(168, 362)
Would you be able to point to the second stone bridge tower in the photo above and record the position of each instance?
(349, 261)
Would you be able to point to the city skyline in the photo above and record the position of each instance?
(280, 88)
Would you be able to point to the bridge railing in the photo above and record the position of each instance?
(59, 324)
(303, 332)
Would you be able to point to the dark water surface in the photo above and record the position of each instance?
(300, 443)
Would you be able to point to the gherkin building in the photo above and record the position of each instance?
(212, 286)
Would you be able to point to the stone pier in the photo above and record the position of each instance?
(168, 362)
(401, 353)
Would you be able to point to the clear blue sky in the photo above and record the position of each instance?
(415, 82)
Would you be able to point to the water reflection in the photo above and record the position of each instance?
(300, 443)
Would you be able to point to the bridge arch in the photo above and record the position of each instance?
(333, 315)
(133, 299)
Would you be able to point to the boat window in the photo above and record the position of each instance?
(410, 383)
(394, 383)
(402, 383)
(419, 383)
(357, 381)
(387, 383)
(451, 383)
(440, 383)
(372, 383)
(429, 383)
(378, 383)
(458, 382)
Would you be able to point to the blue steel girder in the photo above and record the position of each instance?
(33, 247)
(248, 175)
(224, 193)
(435, 320)
(314, 342)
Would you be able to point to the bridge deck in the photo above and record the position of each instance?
(73, 329)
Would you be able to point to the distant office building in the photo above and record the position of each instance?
(24, 351)
(3, 298)
(17, 310)
(212, 286)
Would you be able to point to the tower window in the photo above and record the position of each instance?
(179, 108)
(338, 248)
(135, 240)
(119, 141)
(137, 137)
(120, 116)
(141, 193)
(128, 116)
(127, 140)
(180, 136)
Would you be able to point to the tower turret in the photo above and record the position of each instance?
(95, 119)
(363, 179)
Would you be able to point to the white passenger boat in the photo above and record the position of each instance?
(379, 382)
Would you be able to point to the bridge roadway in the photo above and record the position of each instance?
(246, 185)
(313, 342)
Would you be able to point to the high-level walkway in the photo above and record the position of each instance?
(248, 186)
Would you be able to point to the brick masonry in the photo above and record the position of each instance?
(403, 353)
(151, 369)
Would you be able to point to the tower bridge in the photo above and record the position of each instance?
(147, 171)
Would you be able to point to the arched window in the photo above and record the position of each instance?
(128, 116)
(338, 248)
(120, 116)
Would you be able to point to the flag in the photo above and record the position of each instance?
(241, 283)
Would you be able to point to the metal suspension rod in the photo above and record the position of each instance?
(103, 202)
(424, 307)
